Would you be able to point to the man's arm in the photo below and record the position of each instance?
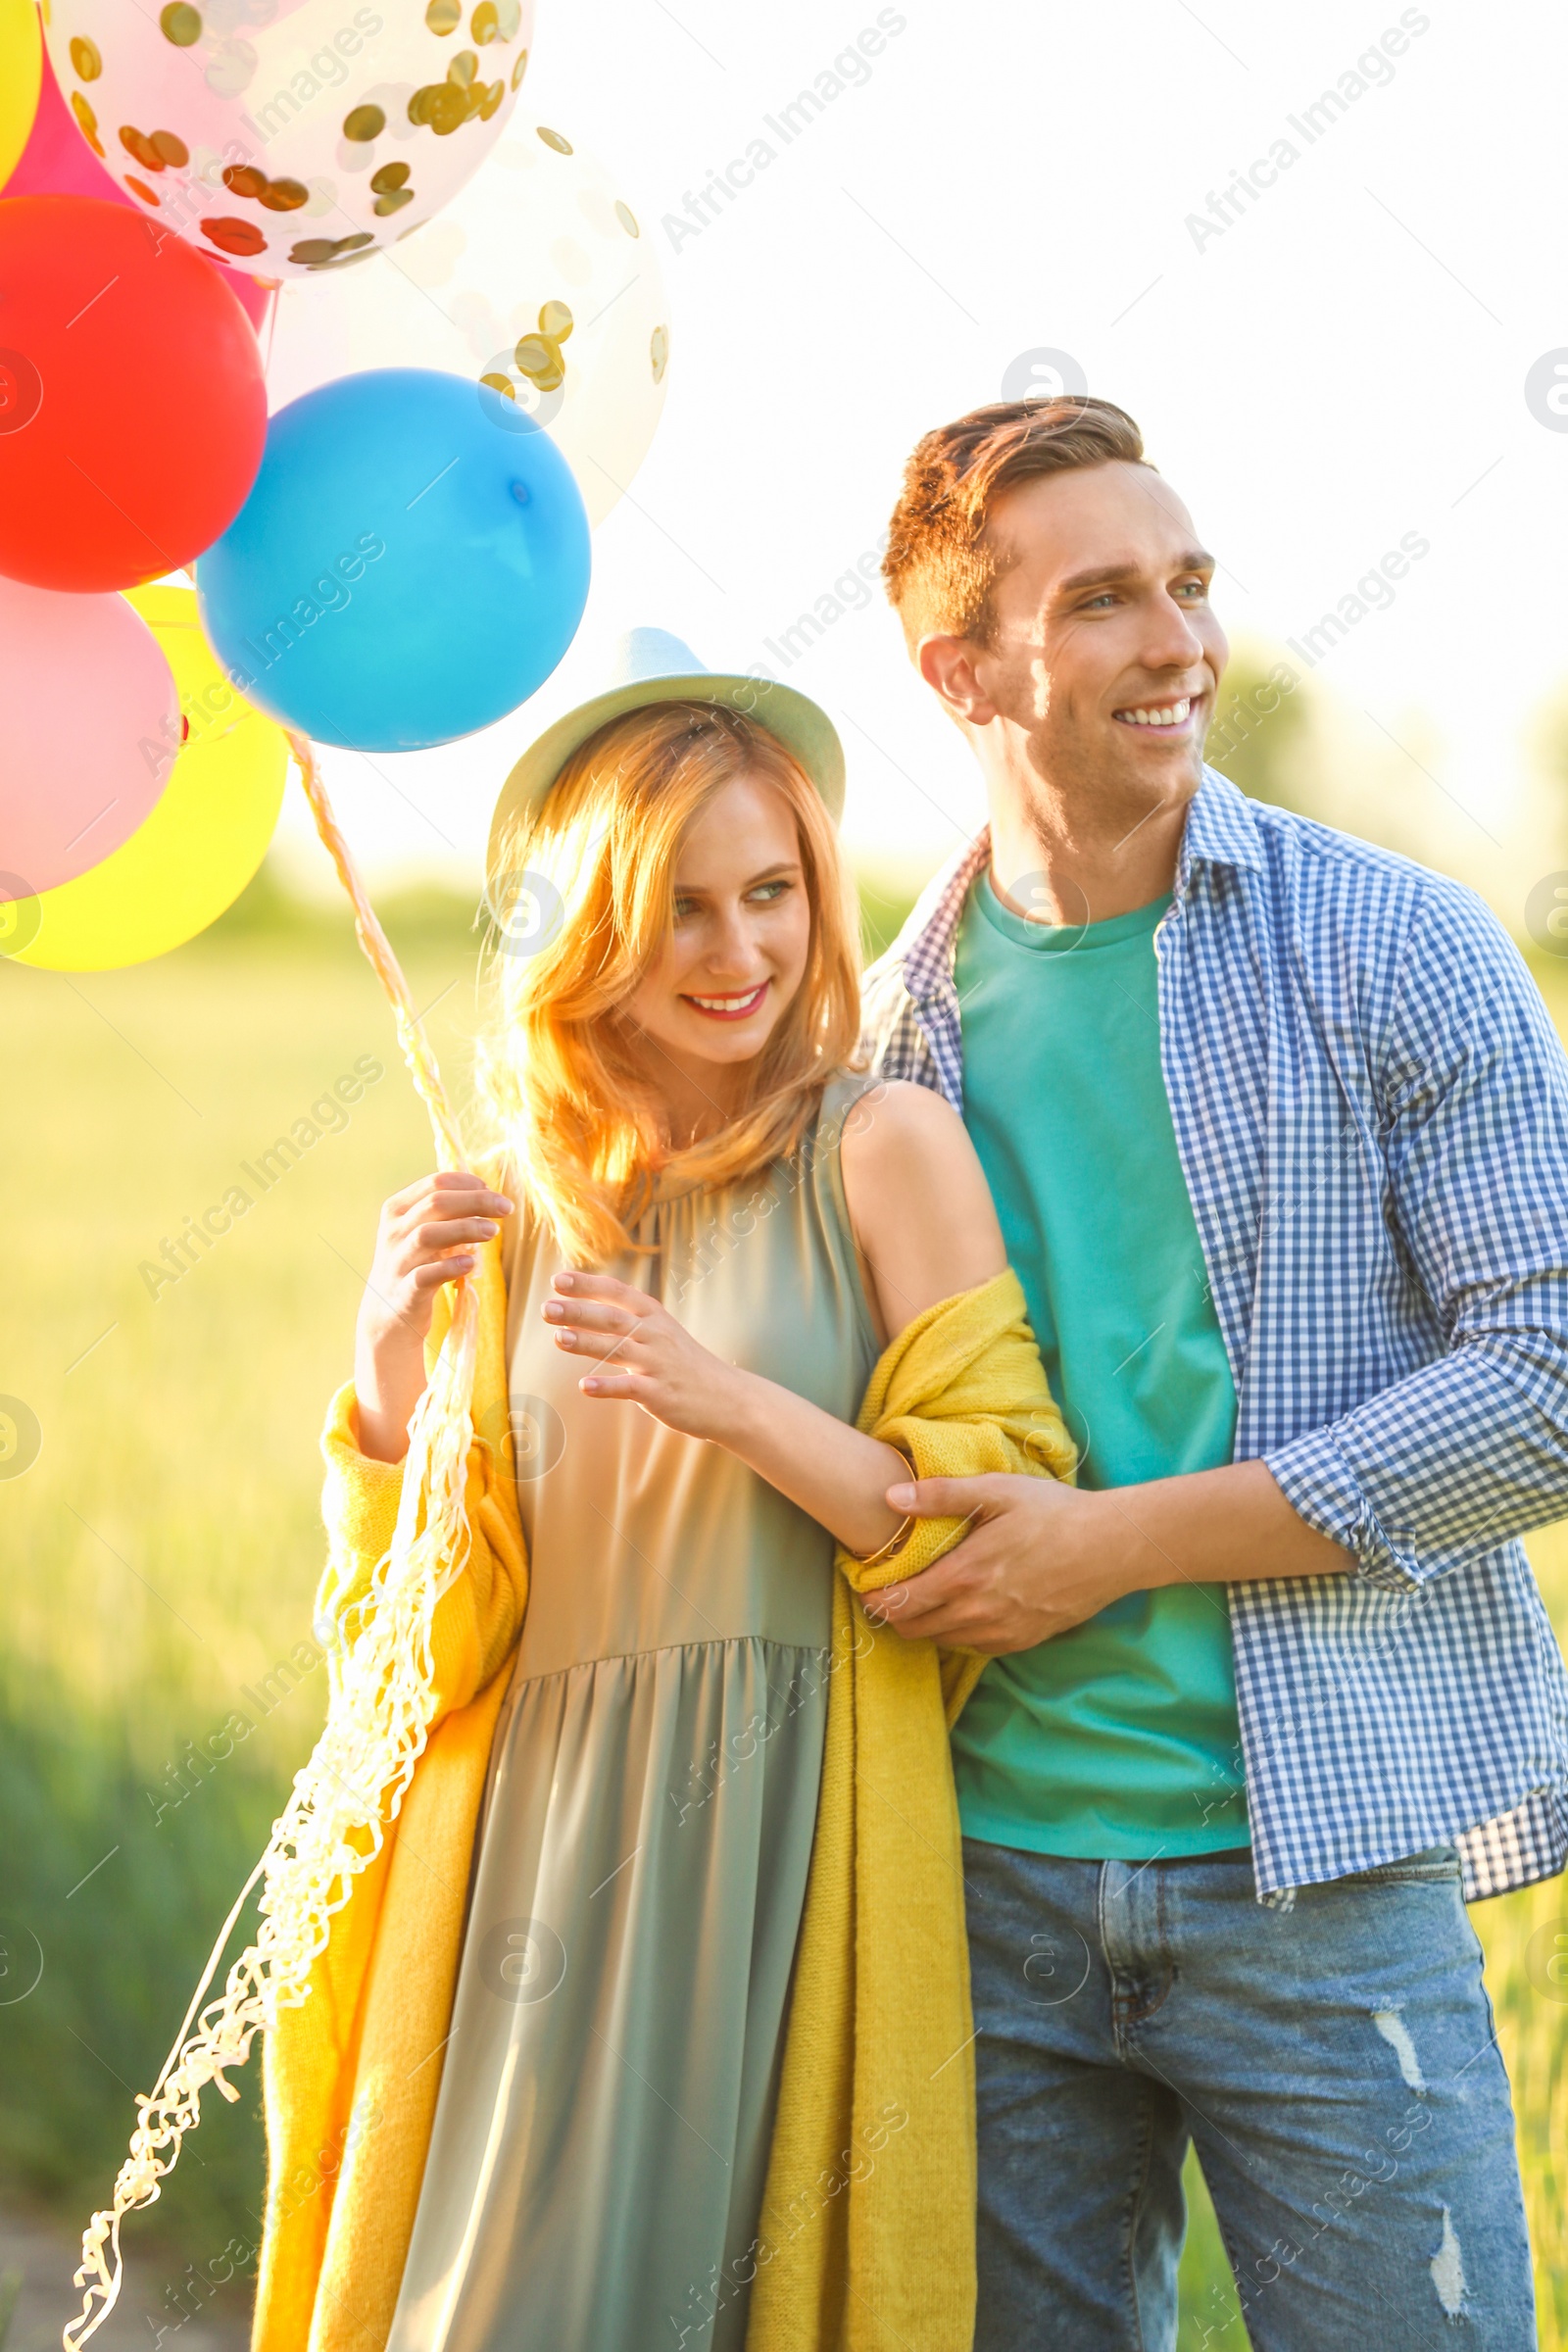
(1439, 1468)
(1043, 1557)
(1428, 1474)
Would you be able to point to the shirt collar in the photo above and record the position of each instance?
(1220, 830)
(926, 942)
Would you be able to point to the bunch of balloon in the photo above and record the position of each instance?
(401, 555)
(132, 413)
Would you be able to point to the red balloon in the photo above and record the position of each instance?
(132, 408)
(57, 161)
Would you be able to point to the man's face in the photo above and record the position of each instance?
(1107, 653)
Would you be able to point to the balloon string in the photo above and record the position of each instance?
(378, 947)
(383, 1697)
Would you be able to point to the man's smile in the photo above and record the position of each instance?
(1168, 718)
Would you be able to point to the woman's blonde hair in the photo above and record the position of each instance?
(593, 867)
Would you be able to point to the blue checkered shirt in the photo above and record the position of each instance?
(1371, 1110)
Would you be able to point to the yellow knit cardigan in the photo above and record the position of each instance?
(867, 2227)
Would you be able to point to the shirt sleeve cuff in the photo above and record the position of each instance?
(1316, 1480)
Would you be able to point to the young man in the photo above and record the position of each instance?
(1278, 1130)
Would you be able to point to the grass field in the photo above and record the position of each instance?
(162, 1552)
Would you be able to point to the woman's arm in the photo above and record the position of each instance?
(426, 1235)
(925, 1228)
(920, 1208)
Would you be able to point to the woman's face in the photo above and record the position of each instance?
(736, 952)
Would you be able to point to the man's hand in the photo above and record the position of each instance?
(1036, 1563)
(1041, 1557)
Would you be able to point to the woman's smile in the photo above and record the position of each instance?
(734, 1005)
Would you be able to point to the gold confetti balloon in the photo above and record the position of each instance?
(295, 137)
(540, 281)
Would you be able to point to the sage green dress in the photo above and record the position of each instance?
(602, 2135)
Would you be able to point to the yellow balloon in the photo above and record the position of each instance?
(20, 71)
(202, 843)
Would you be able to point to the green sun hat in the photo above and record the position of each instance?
(652, 667)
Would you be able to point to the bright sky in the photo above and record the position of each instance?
(1344, 364)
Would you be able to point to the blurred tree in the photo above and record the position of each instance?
(1259, 733)
(1548, 738)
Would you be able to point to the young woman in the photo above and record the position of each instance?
(708, 1227)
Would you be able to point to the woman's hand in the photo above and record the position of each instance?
(430, 1234)
(645, 1357)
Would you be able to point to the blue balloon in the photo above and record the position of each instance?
(411, 564)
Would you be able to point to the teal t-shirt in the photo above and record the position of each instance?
(1119, 1739)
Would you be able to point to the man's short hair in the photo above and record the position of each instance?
(939, 570)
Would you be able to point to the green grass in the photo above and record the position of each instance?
(162, 1553)
(1210, 2312)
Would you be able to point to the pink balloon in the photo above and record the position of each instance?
(57, 161)
(89, 729)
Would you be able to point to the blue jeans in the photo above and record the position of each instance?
(1335, 2064)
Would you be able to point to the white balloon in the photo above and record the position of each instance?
(540, 278)
(292, 136)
